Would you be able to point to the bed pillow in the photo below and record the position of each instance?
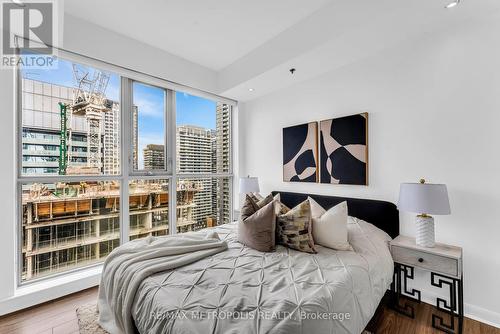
(256, 196)
(294, 228)
(248, 208)
(262, 202)
(282, 207)
(329, 227)
(258, 230)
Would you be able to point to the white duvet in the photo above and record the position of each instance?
(241, 290)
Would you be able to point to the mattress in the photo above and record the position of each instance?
(242, 290)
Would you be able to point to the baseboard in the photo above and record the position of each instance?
(47, 290)
(470, 311)
(482, 315)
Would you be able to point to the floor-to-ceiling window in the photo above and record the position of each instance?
(106, 156)
(203, 162)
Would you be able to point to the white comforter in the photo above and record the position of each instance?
(242, 290)
(127, 266)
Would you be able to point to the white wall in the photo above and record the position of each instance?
(434, 112)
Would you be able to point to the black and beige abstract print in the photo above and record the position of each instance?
(300, 153)
(344, 150)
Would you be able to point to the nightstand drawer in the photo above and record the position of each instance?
(424, 260)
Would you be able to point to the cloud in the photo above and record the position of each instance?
(149, 107)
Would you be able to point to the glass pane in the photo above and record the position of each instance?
(202, 202)
(203, 139)
(148, 203)
(68, 225)
(148, 124)
(70, 121)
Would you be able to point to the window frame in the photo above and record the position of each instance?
(167, 110)
(127, 77)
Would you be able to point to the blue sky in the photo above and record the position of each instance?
(191, 110)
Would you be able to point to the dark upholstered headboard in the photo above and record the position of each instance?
(384, 215)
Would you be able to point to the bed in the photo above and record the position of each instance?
(241, 290)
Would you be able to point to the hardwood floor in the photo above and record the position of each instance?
(391, 322)
(54, 317)
(59, 317)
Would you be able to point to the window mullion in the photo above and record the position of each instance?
(171, 160)
(125, 156)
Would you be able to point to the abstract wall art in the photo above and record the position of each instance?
(344, 150)
(300, 153)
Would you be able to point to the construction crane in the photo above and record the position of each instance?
(89, 100)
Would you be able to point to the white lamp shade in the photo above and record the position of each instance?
(249, 185)
(424, 198)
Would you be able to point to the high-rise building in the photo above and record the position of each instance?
(223, 159)
(41, 123)
(194, 155)
(201, 150)
(41, 120)
(135, 137)
(67, 225)
(111, 147)
(154, 157)
(194, 149)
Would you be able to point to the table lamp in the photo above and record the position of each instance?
(249, 184)
(424, 199)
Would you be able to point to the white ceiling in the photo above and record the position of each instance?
(212, 33)
(253, 43)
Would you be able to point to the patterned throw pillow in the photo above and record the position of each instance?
(294, 228)
(256, 196)
(261, 201)
(282, 207)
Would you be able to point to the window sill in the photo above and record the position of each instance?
(51, 288)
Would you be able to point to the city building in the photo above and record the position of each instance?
(223, 158)
(154, 157)
(41, 122)
(201, 150)
(68, 225)
(77, 224)
(194, 155)
(41, 137)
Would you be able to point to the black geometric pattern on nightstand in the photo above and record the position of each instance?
(401, 275)
(454, 308)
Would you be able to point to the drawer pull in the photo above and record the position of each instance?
(420, 260)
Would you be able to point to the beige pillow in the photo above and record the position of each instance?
(264, 201)
(329, 227)
(248, 208)
(258, 230)
(293, 228)
(281, 208)
(256, 196)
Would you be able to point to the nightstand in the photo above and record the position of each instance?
(444, 262)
